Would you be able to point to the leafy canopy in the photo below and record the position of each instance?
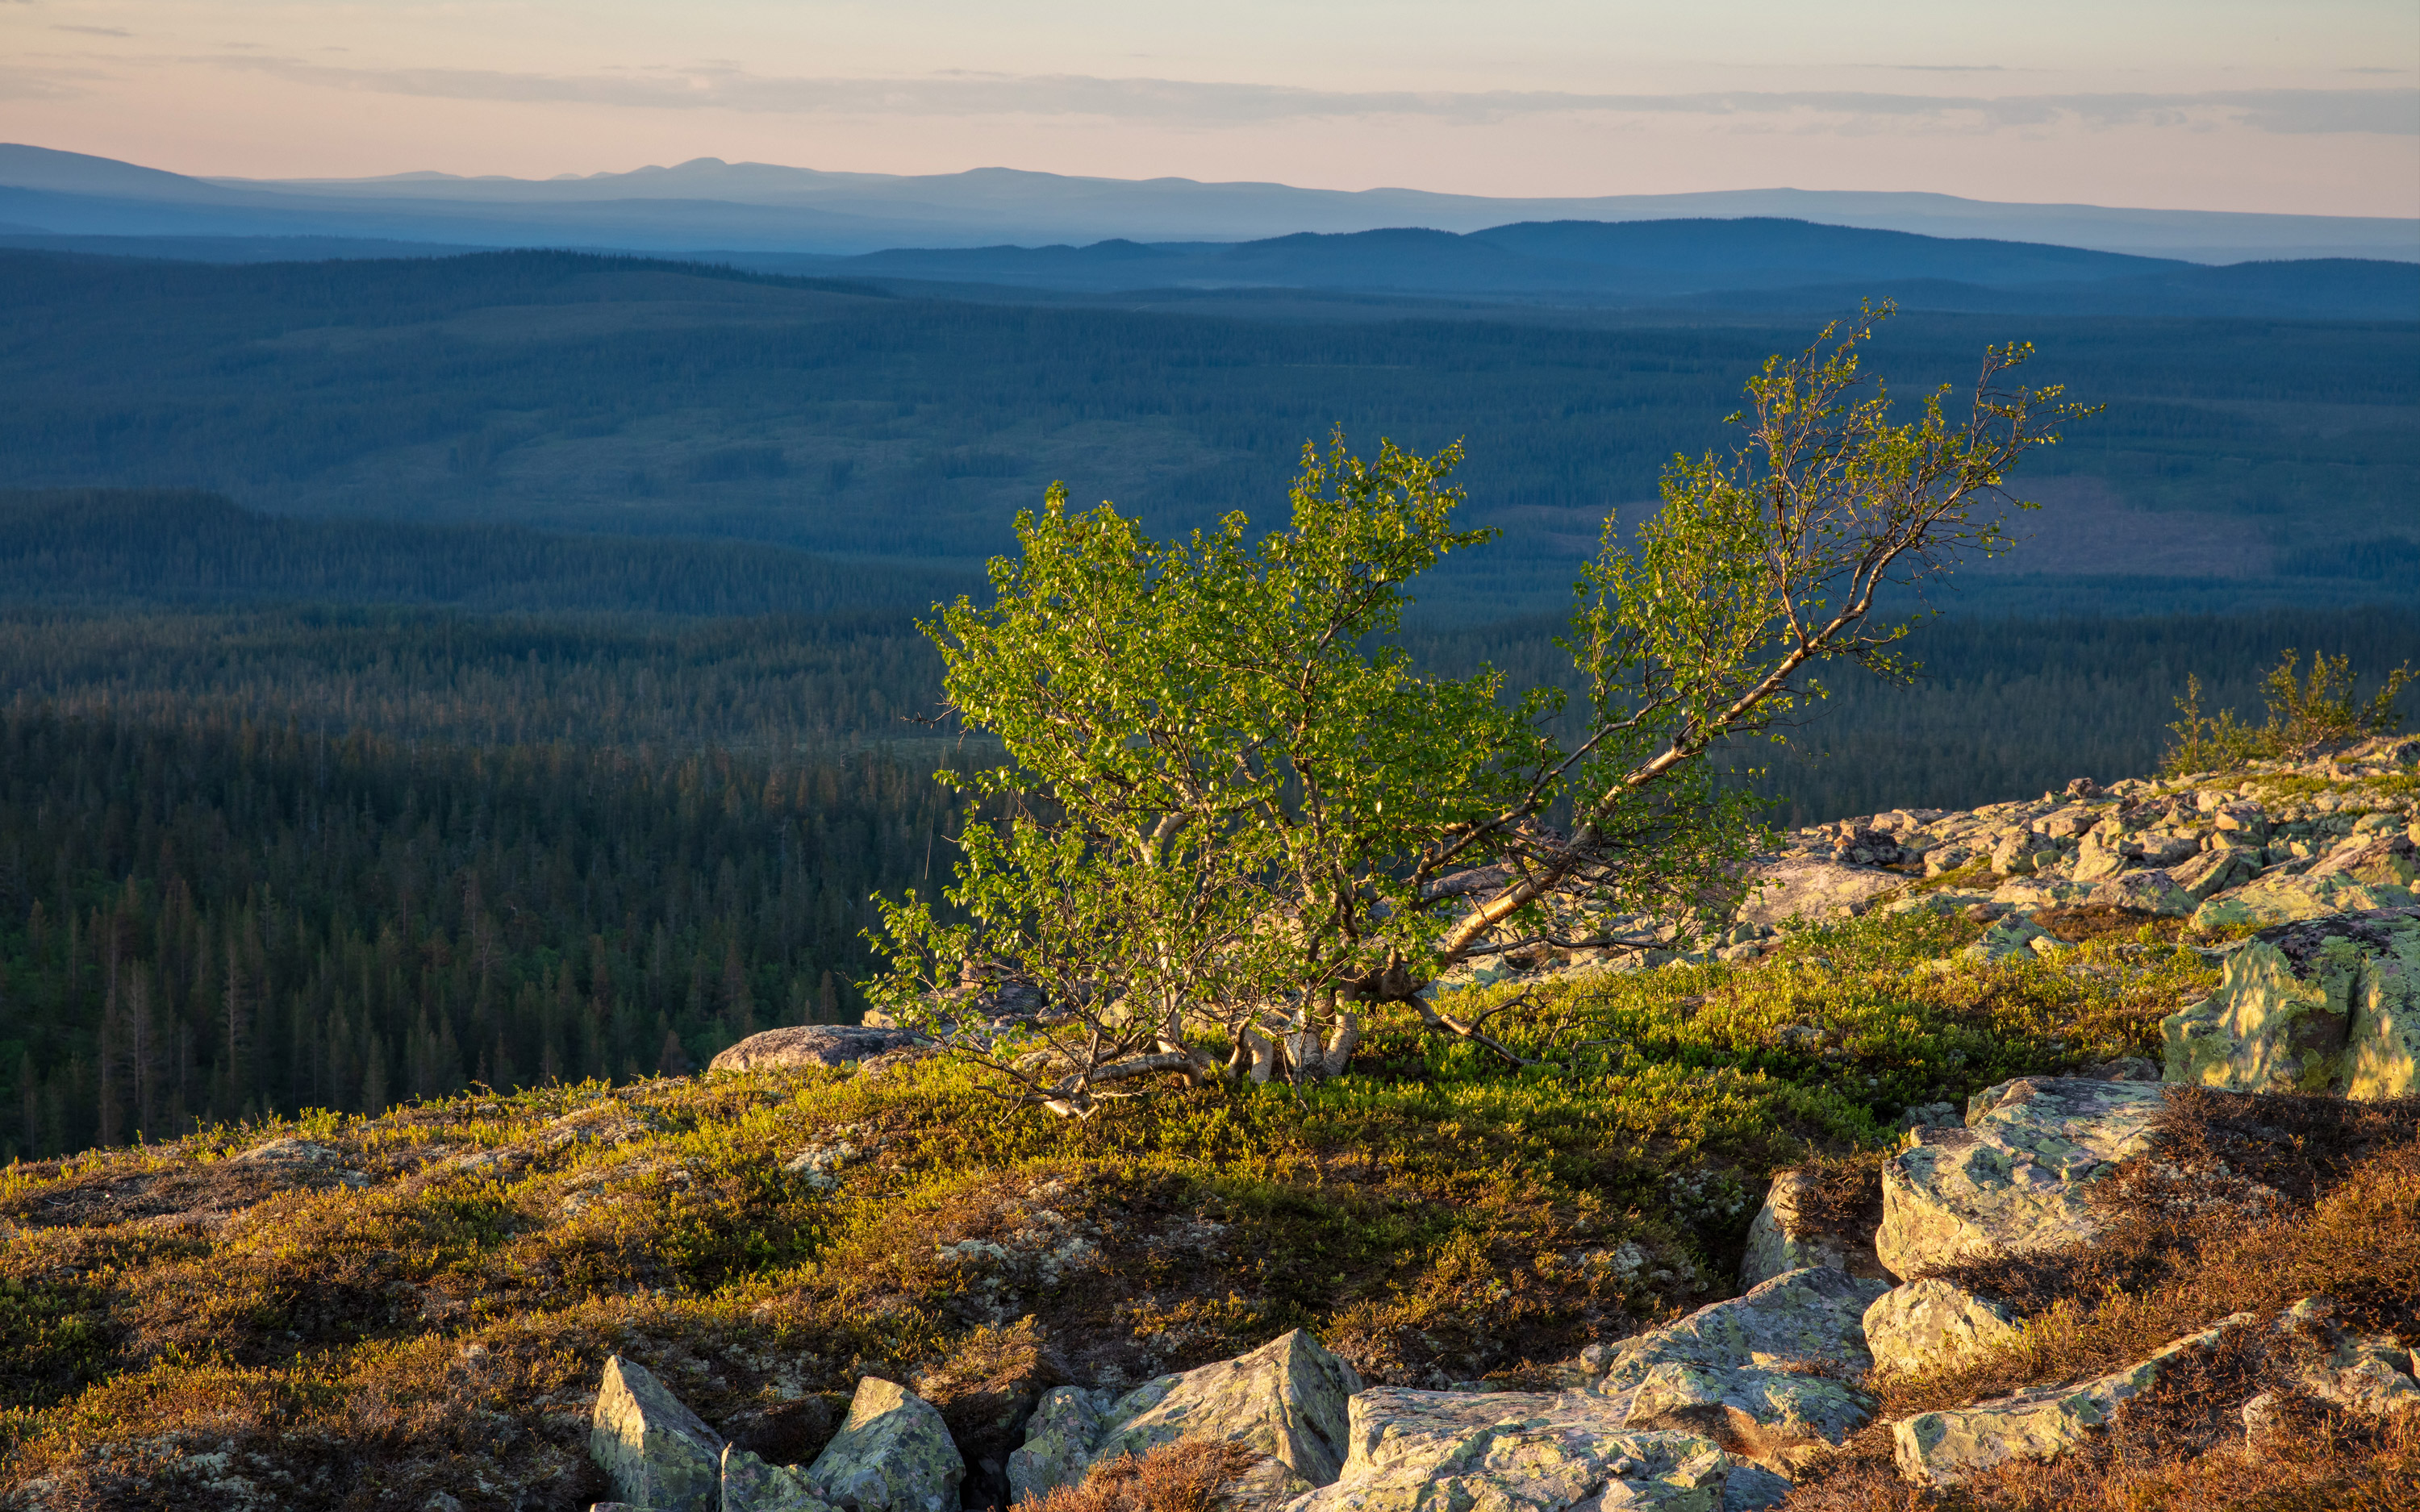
(1231, 810)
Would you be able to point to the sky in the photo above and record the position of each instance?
(2311, 107)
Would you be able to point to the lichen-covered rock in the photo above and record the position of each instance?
(1932, 1321)
(2012, 936)
(828, 1045)
(750, 1485)
(892, 1453)
(1945, 1447)
(2370, 1375)
(2378, 858)
(1286, 1401)
(1059, 1439)
(1741, 1372)
(2281, 899)
(1781, 1238)
(2214, 872)
(1813, 889)
(1437, 1451)
(2152, 891)
(657, 1453)
(2322, 1006)
(2013, 1178)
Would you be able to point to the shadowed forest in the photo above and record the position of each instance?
(500, 669)
(256, 857)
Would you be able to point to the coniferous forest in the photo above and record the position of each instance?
(386, 795)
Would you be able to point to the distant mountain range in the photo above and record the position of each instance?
(757, 207)
(1748, 265)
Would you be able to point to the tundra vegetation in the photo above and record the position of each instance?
(1234, 813)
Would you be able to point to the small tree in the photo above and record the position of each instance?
(1231, 813)
(2304, 715)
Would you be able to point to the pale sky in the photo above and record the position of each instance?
(2310, 107)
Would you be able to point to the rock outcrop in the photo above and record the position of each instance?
(2325, 1005)
(1785, 1237)
(2012, 1178)
(1945, 1447)
(2368, 1375)
(1430, 1451)
(1286, 1401)
(750, 1485)
(828, 1045)
(1932, 1321)
(657, 1453)
(1744, 1373)
(1059, 1439)
(892, 1453)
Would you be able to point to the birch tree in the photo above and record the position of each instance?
(1233, 818)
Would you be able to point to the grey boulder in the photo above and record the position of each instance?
(1059, 1439)
(2321, 1006)
(1761, 1375)
(1286, 1401)
(2013, 1178)
(1945, 1447)
(1436, 1451)
(1930, 1322)
(750, 1485)
(826, 1045)
(1784, 1237)
(2152, 891)
(1795, 890)
(892, 1453)
(657, 1453)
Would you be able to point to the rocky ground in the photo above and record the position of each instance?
(2057, 1154)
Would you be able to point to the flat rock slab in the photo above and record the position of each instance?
(1946, 1447)
(1930, 1322)
(892, 1453)
(1286, 1401)
(2322, 1006)
(1797, 889)
(2282, 900)
(828, 1045)
(2152, 891)
(2013, 1178)
(1438, 1451)
(1743, 1372)
(657, 1452)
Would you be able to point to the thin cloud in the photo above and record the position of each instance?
(28, 83)
(2393, 112)
(92, 31)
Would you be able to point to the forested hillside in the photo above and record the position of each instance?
(274, 859)
(649, 399)
(202, 918)
(93, 545)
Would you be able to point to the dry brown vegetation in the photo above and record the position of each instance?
(179, 1330)
(1174, 1477)
(2242, 1205)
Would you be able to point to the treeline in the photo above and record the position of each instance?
(2001, 708)
(85, 546)
(775, 684)
(209, 918)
